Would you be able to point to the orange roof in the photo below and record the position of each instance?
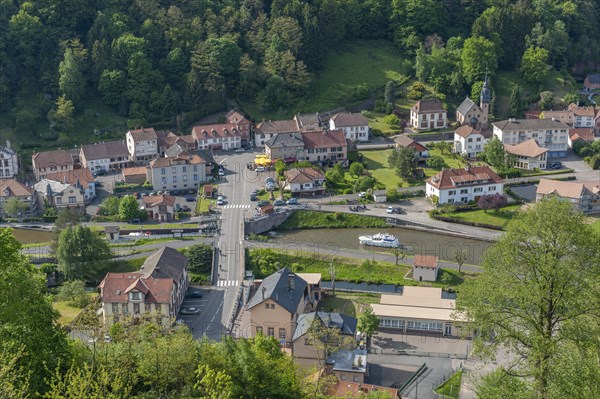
(466, 130)
(154, 200)
(303, 175)
(115, 287)
(220, 130)
(529, 148)
(321, 139)
(10, 187)
(470, 176)
(581, 111)
(430, 261)
(582, 133)
(567, 189)
(168, 161)
(405, 141)
(146, 134)
(84, 176)
(133, 171)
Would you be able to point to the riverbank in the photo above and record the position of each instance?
(327, 220)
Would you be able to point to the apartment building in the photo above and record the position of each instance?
(548, 133)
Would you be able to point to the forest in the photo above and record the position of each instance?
(170, 63)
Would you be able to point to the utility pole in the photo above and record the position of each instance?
(332, 271)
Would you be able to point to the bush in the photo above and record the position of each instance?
(392, 120)
(74, 293)
(348, 191)
(594, 162)
(183, 215)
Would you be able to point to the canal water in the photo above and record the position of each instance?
(25, 236)
(413, 241)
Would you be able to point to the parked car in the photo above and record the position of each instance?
(174, 192)
(194, 294)
(278, 203)
(270, 180)
(240, 150)
(260, 169)
(100, 172)
(177, 207)
(292, 201)
(135, 220)
(362, 194)
(262, 203)
(190, 198)
(221, 172)
(556, 165)
(394, 209)
(190, 310)
(186, 208)
(191, 191)
(220, 200)
(253, 197)
(270, 186)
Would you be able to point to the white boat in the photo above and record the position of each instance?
(380, 240)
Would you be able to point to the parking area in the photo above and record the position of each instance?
(197, 298)
(388, 340)
(526, 193)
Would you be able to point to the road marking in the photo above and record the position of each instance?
(236, 206)
(228, 283)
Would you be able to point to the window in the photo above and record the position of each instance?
(271, 331)
(72, 200)
(136, 308)
(259, 330)
(135, 296)
(163, 171)
(174, 179)
(58, 201)
(184, 169)
(464, 191)
(282, 333)
(272, 306)
(477, 189)
(115, 308)
(147, 308)
(174, 169)
(451, 192)
(266, 306)
(184, 178)
(195, 177)
(355, 378)
(470, 140)
(492, 188)
(157, 307)
(195, 168)
(163, 180)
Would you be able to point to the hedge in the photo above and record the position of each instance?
(460, 221)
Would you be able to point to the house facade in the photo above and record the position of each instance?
(308, 121)
(304, 181)
(425, 267)
(303, 350)
(155, 293)
(9, 164)
(10, 188)
(104, 156)
(60, 195)
(405, 141)
(243, 124)
(592, 82)
(428, 114)
(583, 196)
(81, 178)
(325, 146)
(548, 133)
(176, 173)
(528, 155)
(584, 134)
(584, 116)
(221, 136)
(159, 207)
(354, 125)
(468, 141)
(477, 116)
(44, 163)
(284, 146)
(142, 145)
(267, 130)
(277, 302)
(168, 139)
(451, 186)
(348, 365)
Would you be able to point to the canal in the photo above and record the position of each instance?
(413, 241)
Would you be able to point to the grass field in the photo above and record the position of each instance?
(67, 312)
(350, 71)
(500, 218)
(596, 226)
(329, 220)
(451, 388)
(348, 303)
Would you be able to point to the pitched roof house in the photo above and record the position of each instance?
(60, 195)
(529, 155)
(548, 133)
(325, 146)
(81, 178)
(180, 172)
(285, 146)
(243, 124)
(428, 114)
(104, 156)
(404, 140)
(469, 141)
(425, 267)
(584, 134)
(47, 162)
(219, 136)
(463, 185)
(156, 291)
(266, 130)
(592, 81)
(9, 164)
(583, 196)
(304, 181)
(142, 144)
(159, 207)
(354, 125)
(10, 188)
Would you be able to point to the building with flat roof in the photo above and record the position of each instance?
(418, 309)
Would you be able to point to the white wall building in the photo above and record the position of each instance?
(177, 173)
(528, 155)
(548, 133)
(266, 130)
(425, 268)
(223, 136)
(354, 125)
(104, 156)
(428, 114)
(468, 141)
(463, 185)
(9, 165)
(142, 145)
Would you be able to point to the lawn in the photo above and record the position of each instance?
(491, 217)
(329, 220)
(348, 303)
(596, 226)
(276, 194)
(204, 205)
(451, 388)
(67, 312)
(350, 71)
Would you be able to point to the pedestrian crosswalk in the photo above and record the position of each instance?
(228, 283)
(238, 206)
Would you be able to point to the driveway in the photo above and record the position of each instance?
(526, 193)
(572, 161)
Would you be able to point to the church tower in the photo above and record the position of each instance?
(484, 103)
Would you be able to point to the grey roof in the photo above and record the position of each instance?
(345, 360)
(350, 119)
(165, 263)
(465, 106)
(111, 149)
(277, 288)
(307, 120)
(594, 78)
(55, 186)
(7, 150)
(277, 127)
(207, 155)
(285, 140)
(346, 324)
(530, 124)
(174, 150)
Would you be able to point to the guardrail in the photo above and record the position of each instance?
(412, 379)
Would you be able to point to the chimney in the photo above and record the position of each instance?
(514, 120)
(291, 282)
(263, 292)
(8, 144)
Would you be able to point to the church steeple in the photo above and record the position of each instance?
(484, 103)
(486, 95)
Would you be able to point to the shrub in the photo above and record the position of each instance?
(348, 191)
(183, 215)
(392, 120)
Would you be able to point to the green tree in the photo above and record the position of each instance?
(333, 177)
(478, 58)
(81, 252)
(392, 120)
(436, 162)
(213, 384)
(398, 253)
(199, 258)
(537, 293)
(15, 207)
(356, 169)
(571, 98)
(129, 208)
(533, 64)
(89, 381)
(73, 292)
(404, 161)
(71, 79)
(460, 256)
(368, 322)
(546, 100)
(112, 86)
(494, 153)
(30, 338)
(110, 206)
(389, 95)
(61, 117)
(515, 104)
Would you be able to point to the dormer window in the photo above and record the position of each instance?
(135, 296)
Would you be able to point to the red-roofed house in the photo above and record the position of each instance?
(242, 123)
(585, 134)
(304, 181)
(463, 185)
(156, 291)
(159, 207)
(468, 141)
(10, 188)
(325, 146)
(529, 155)
(425, 268)
(355, 126)
(405, 141)
(583, 196)
(220, 136)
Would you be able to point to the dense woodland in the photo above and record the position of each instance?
(153, 60)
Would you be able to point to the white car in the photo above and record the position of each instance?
(221, 172)
(390, 209)
(239, 150)
(362, 195)
(220, 200)
(260, 169)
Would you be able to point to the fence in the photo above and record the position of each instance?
(400, 352)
